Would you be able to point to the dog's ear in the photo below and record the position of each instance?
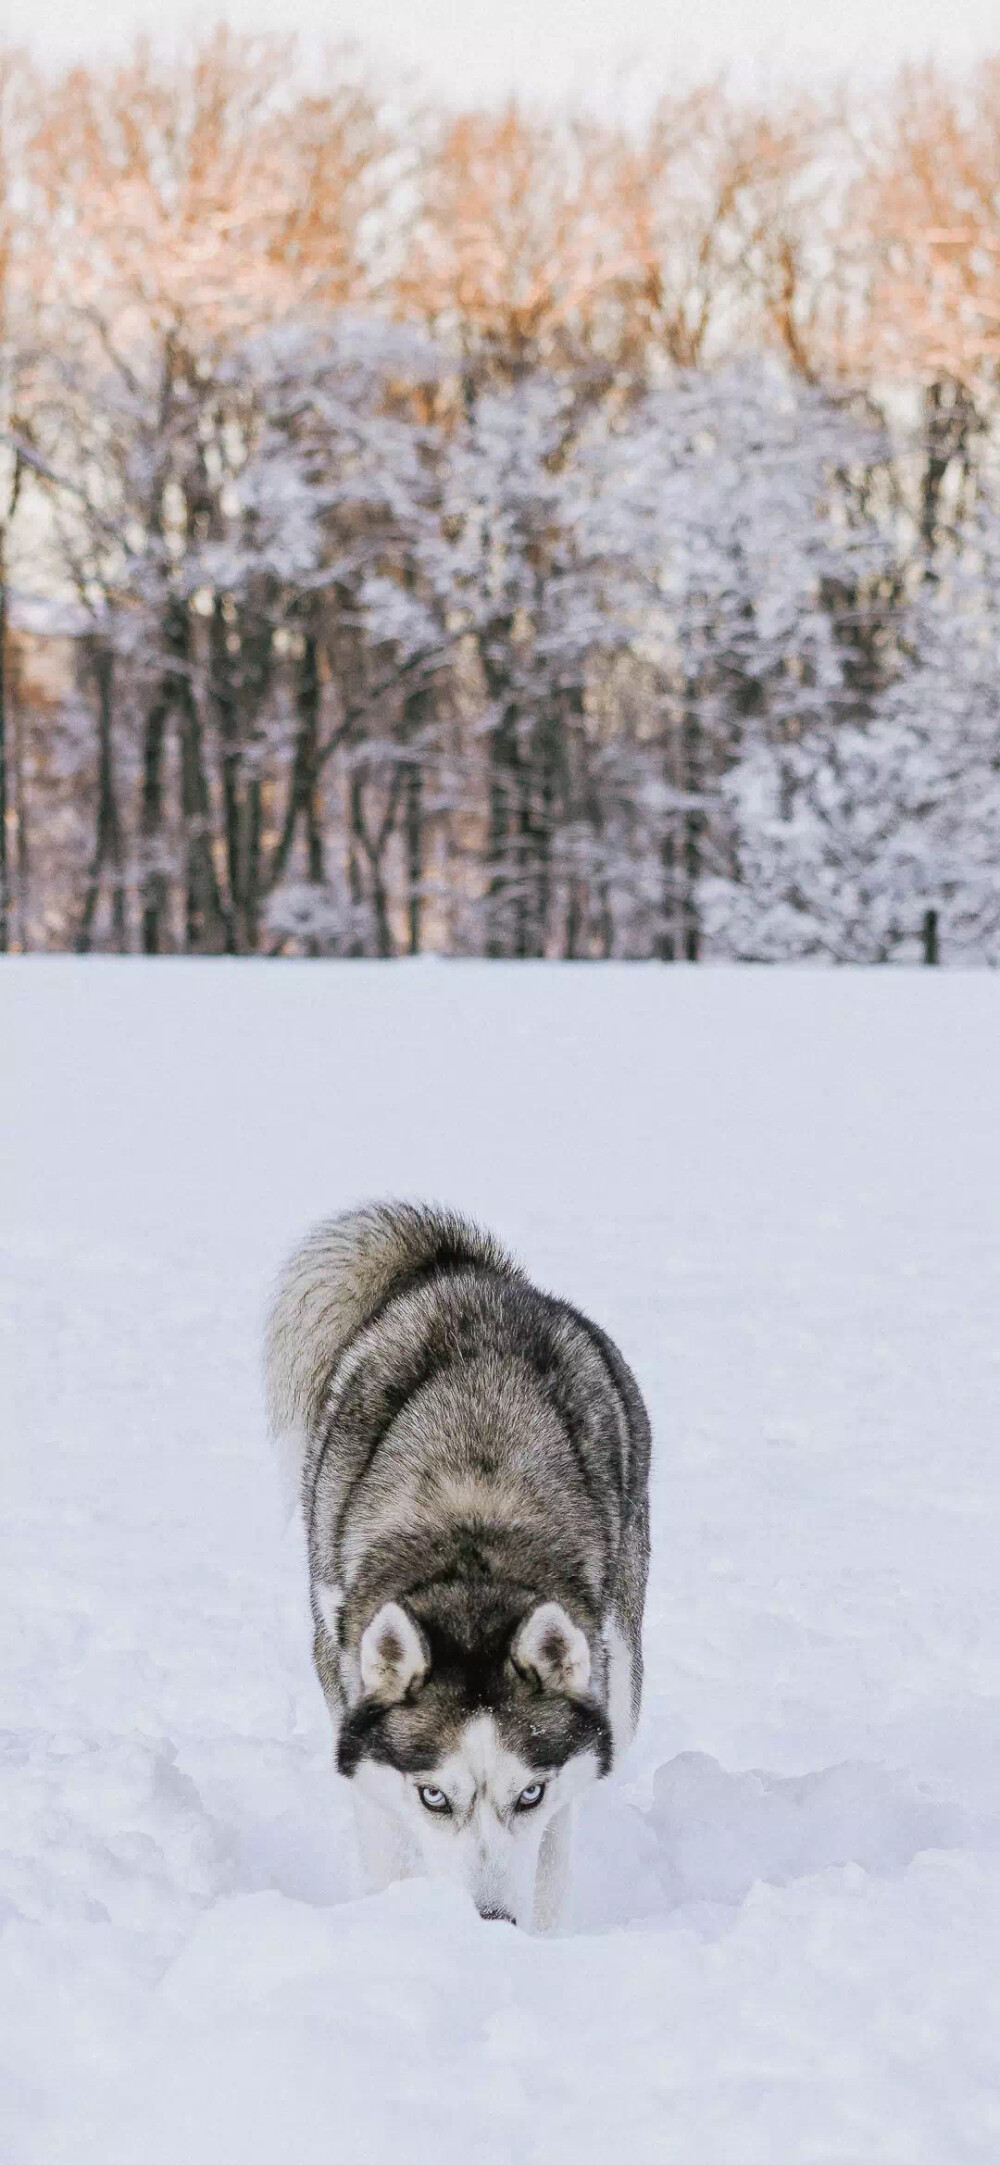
(552, 1650)
(393, 1655)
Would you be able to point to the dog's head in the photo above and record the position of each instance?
(475, 1727)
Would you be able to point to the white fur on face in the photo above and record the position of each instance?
(483, 1842)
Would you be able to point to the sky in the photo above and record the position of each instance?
(556, 49)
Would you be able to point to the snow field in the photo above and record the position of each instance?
(779, 1190)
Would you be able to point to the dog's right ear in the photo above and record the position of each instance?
(393, 1655)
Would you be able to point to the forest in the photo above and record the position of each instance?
(506, 532)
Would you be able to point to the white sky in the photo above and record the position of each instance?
(553, 48)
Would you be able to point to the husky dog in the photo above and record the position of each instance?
(473, 1459)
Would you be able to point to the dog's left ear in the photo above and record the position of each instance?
(552, 1650)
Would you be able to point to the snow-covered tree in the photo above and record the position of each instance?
(734, 498)
(882, 843)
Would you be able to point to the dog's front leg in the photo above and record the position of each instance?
(552, 1876)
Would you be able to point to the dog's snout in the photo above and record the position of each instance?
(497, 1916)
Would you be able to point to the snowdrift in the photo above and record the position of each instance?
(779, 1192)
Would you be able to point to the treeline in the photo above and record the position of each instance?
(496, 533)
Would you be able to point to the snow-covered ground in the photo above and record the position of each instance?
(782, 1193)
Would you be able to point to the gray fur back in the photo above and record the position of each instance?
(334, 1283)
(464, 1444)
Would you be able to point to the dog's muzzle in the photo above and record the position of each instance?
(497, 1916)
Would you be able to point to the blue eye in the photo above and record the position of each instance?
(434, 1800)
(530, 1797)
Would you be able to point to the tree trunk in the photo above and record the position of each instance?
(207, 926)
(13, 496)
(415, 715)
(206, 929)
(571, 933)
(108, 837)
(666, 940)
(694, 827)
(305, 796)
(4, 688)
(224, 701)
(505, 899)
(540, 812)
(950, 421)
(308, 703)
(19, 874)
(414, 853)
(239, 689)
(373, 848)
(155, 892)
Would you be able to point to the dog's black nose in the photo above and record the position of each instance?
(496, 1916)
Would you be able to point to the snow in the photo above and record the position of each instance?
(778, 1189)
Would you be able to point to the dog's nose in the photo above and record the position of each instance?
(497, 1916)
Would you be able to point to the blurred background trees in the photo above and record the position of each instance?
(496, 532)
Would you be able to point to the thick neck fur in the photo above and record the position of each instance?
(472, 1580)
